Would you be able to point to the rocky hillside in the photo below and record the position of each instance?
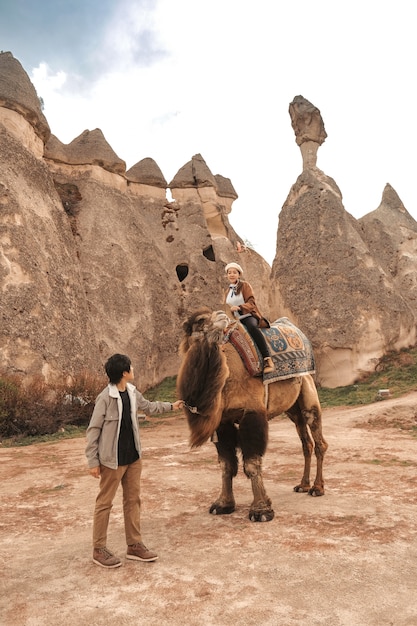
(94, 259)
(350, 284)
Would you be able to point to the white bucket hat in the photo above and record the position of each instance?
(235, 266)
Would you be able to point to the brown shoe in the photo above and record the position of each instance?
(139, 552)
(105, 558)
(268, 365)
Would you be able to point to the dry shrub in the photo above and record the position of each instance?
(32, 407)
(76, 397)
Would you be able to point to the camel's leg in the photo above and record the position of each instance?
(320, 447)
(300, 421)
(310, 407)
(304, 419)
(253, 438)
(226, 450)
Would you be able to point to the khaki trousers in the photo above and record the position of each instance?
(110, 479)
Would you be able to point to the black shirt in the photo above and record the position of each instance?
(126, 451)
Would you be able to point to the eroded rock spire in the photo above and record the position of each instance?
(309, 130)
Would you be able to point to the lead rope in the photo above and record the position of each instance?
(192, 409)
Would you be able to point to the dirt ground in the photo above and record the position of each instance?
(346, 559)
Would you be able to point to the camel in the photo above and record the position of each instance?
(224, 403)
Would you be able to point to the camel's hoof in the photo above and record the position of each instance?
(218, 509)
(315, 492)
(261, 516)
(302, 489)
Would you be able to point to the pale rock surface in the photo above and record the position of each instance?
(391, 235)
(18, 94)
(45, 326)
(194, 183)
(326, 279)
(349, 285)
(22, 130)
(89, 148)
(96, 260)
(206, 200)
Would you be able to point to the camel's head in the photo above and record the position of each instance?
(206, 324)
(220, 320)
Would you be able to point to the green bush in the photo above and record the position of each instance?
(396, 371)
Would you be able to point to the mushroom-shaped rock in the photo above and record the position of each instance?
(309, 130)
(225, 188)
(89, 148)
(18, 94)
(306, 121)
(195, 173)
(147, 172)
(56, 150)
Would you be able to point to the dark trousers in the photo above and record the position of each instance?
(252, 327)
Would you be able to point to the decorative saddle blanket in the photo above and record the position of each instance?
(290, 350)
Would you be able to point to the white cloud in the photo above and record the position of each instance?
(46, 80)
(217, 77)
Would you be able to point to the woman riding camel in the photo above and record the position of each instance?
(241, 300)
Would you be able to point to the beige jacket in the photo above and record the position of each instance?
(104, 427)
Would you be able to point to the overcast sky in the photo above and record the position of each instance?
(169, 79)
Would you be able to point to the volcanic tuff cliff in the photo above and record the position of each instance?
(94, 259)
(350, 284)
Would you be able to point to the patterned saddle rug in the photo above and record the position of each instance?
(290, 350)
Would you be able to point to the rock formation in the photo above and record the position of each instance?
(147, 172)
(391, 235)
(94, 259)
(339, 278)
(90, 148)
(309, 129)
(45, 319)
(18, 95)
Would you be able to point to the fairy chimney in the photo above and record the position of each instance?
(195, 182)
(328, 280)
(20, 106)
(391, 234)
(89, 148)
(309, 129)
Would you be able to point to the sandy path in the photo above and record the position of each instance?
(347, 559)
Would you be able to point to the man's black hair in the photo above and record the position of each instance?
(115, 366)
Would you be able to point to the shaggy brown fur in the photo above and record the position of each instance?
(224, 402)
